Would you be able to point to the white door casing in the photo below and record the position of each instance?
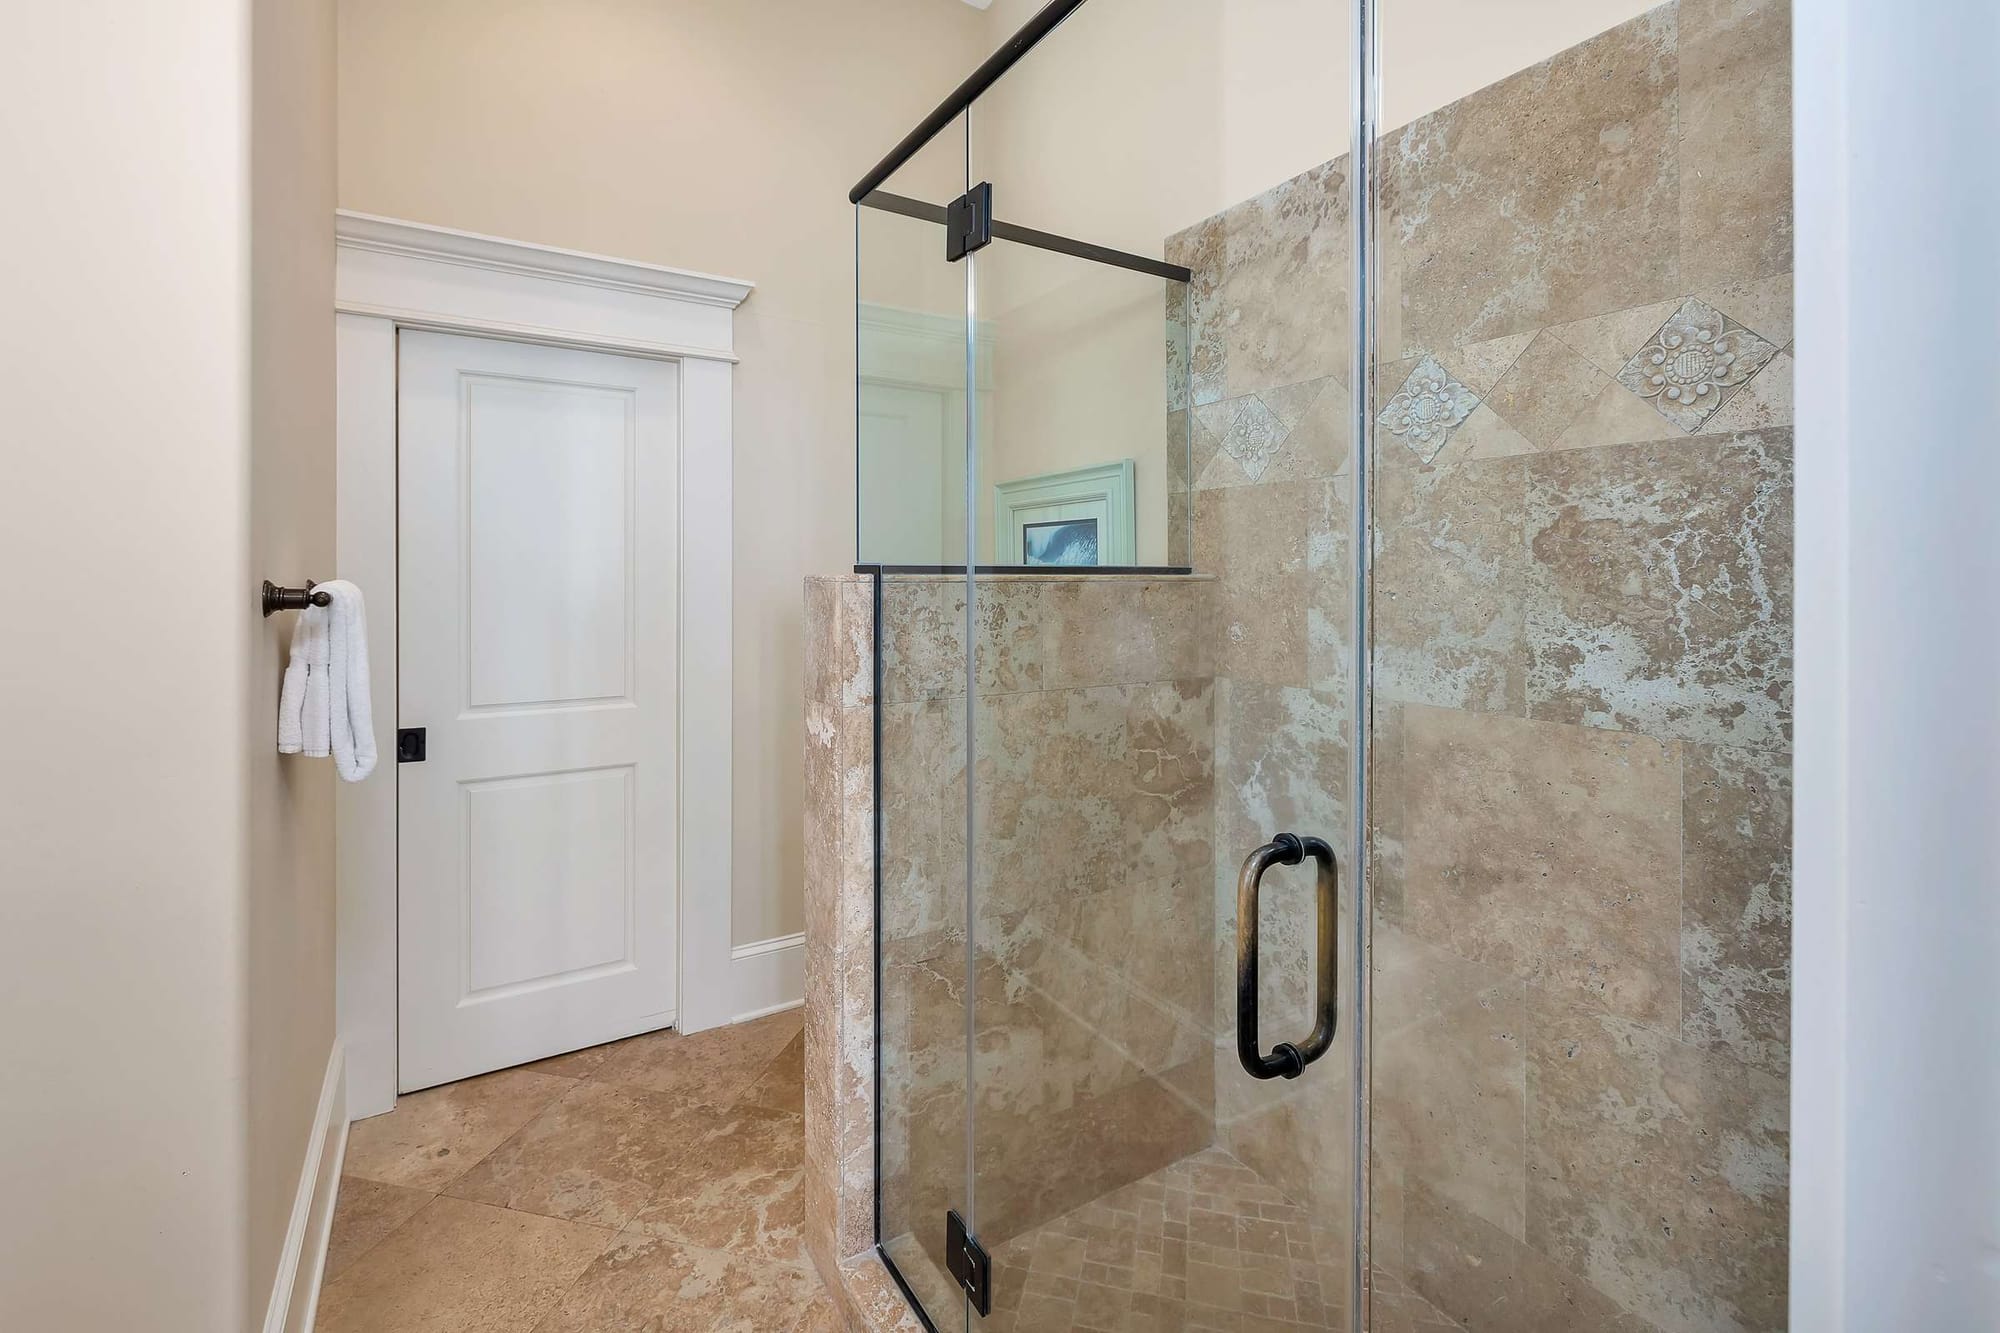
(394, 276)
(537, 586)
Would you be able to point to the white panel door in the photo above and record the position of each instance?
(536, 849)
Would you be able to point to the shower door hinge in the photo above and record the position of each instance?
(968, 1263)
(968, 222)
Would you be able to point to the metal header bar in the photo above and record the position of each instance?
(1041, 240)
(1041, 25)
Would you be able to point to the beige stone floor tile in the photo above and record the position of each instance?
(716, 1067)
(1203, 1243)
(649, 1284)
(782, 1085)
(596, 1155)
(457, 1266)
(738, 1187)
(578, 1064)
(1394, 1308)
(363, 1213)
(821, 1315)
(876, 1296)
(435, 1136)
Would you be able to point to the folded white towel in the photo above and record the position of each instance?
(315, 715)
(351, 706)
(292, 696)
(325, 707)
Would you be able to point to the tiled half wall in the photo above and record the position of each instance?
(1093, 727)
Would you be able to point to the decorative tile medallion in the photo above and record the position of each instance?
(1427, 407)
(1695, 363)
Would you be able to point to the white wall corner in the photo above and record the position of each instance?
(1895, 1093)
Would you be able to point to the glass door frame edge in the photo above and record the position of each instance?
(1364, 100)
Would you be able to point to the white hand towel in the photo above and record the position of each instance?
(315, 714)
(352, 706)
(292, 696)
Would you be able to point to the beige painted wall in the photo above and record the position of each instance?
(711, 135)
(166, 963)
(1141, 117)
(128, 624)
(290, 800)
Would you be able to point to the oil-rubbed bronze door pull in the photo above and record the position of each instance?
(1286, 1060)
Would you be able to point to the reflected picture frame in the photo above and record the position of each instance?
(1080, 518)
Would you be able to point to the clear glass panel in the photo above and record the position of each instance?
(1136, 736)
(910, 369)
(1581, 665)
(921, 939)
(911, 401)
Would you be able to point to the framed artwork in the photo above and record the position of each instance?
(1072, 519)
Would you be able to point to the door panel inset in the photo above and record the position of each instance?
(548, 879)
(548, 541)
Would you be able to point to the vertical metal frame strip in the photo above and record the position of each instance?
(1363, 100)
(971, 1209)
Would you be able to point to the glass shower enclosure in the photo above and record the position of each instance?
(1324, 473)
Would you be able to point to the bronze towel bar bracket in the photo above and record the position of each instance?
(293, 599)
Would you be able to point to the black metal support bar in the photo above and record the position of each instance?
(1059, 571)
(1041, 240)
(1041, 25)
(908, 207)
(1097, 254)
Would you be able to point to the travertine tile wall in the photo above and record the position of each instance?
(1095, 788)
(1582, 639)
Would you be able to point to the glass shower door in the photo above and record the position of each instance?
(1149, 717)
(915, 396)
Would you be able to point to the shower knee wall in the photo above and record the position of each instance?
(1093, 920)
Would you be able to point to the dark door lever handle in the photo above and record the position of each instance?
(1287, 1059)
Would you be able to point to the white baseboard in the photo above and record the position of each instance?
(295, 1291)
(766, 977)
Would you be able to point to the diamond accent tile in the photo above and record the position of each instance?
(1253, 437)
(1427, 407)
(1695, 363)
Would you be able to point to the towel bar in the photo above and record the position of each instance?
(293, 599)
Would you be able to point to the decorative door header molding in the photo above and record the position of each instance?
(441, 278)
